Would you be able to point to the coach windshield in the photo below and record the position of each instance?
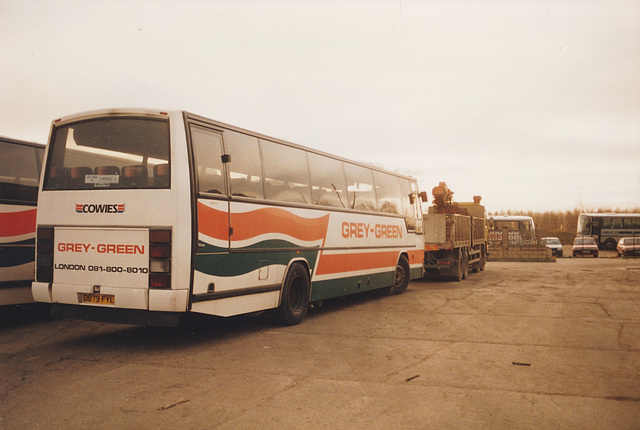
(109, 153)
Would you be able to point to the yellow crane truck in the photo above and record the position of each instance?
(455, 236)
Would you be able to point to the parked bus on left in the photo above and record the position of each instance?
(20, 166)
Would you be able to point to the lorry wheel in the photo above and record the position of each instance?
(295, 296)
(465, 264)
(458, 274)
(402, 275)
(483, 260)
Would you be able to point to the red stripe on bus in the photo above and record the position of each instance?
(17, 223)
(339, 263)
(247, 225)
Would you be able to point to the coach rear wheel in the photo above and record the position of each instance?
(295, 296)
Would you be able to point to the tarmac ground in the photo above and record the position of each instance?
(517, 346)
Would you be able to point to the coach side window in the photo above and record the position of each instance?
(207, 145)
(361, 194)
(19, 173)
(286, 173)
(388, 193)
(631, 222)
(408, 209)
(417, 205)
(245, 171)
(617, 222)
(328, 186)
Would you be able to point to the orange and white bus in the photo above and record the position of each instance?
(145, 215)
(20, 164)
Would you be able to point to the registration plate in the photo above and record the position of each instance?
(98, 299)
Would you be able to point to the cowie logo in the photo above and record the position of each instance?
(99, 209)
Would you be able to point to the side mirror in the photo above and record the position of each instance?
(424, 197)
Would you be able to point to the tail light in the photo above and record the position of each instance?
(44, 254)
(160, 258)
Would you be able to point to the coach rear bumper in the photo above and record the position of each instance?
(142, 299)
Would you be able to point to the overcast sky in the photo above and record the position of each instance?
(533, 104)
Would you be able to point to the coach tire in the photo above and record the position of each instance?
(610, 245)
(295, 296)
(401, 276)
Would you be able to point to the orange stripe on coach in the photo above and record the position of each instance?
(338, 263)
(247, 225)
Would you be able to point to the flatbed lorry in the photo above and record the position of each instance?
(455, 236)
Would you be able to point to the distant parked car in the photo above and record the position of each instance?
(584, 245)
(554, 244)
(629, 247)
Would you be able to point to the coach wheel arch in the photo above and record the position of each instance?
(296, 292)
